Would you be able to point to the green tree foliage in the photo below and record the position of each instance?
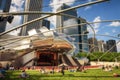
(111, 56)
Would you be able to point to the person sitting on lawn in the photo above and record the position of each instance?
(2, 71)
(116, 75)
(24, 74)
(42, 70)
(1, 75)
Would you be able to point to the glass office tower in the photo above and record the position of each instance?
(31, 5)
(63, 24)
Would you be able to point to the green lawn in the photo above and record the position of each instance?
(93, 74)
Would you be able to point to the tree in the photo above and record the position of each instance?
(112, 56)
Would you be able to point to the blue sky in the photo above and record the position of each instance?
(97, 12)
(103, 11)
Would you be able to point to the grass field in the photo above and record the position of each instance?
(92, 74)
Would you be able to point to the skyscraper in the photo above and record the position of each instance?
(4, 7)
(31, 5)
(101, 46)
(93, 44)
(64, 21)
(111, 45)
(83, 38)
(46, 23)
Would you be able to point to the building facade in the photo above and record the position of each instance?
(63, 23)
(111, 45)
(46, 23)
(105, 47)
(4, 7)
(101, 46)
(93, 45)
(83, 38)
(31, 5)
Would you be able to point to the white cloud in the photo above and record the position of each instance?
(106, 33)
(113, 30)
(95, 26)
(18, 3)
(17, 6)
(118, 47)
(88, 7)
(52, 21)
(15, 22)
(55, 4)
(115, 24)
(97, 19)
(13, 9)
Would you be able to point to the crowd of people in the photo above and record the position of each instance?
(44, 71)
(3, 73)
(107, 68)
(110, 68)
(53, 70)
(62, 69)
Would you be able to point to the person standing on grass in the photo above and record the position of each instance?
(53, 70)
(62, 70)
(116, 75)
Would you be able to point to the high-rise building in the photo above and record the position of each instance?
(32, 5)
(83, 38)
(101, 46)
(111, 45)
(64, 21)
(105, 47)
(4, 7)
(46, 23)
(93, 45)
